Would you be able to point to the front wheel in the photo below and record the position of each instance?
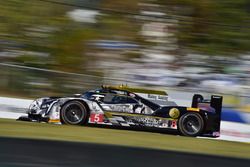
(74, 113)
(191, 124)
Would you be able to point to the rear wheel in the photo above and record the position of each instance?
(191, 124)
(74, 113)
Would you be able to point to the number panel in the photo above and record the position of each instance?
(96, 118)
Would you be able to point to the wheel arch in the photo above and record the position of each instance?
(202, 113)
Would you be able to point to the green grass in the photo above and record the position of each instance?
(12, 128)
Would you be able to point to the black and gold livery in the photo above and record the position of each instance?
(131, 107)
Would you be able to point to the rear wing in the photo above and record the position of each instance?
(215, 102)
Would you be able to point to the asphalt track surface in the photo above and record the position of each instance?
(16, 152)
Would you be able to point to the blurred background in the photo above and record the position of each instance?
(60, 47)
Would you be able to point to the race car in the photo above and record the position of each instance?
(130, 107)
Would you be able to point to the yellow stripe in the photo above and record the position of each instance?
(136, 115)
(193, 109)
(54, 120)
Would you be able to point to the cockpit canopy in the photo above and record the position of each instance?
(124, 94)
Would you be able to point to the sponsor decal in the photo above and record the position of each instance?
(122, 108)
(150, 122)
(174, 113)
(138, 120)
(152, 96)
(174, 124)
(157, 97)
(165, 98)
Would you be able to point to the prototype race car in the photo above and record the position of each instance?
(130, 107)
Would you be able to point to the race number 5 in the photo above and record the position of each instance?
(96, 118)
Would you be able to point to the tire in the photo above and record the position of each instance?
(191, 124)
(74, 113)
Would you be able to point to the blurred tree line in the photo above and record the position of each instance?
(207, 26)
(214, 27)
(43, 35)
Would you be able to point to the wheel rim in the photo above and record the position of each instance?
(73, 114)
(191, 124)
